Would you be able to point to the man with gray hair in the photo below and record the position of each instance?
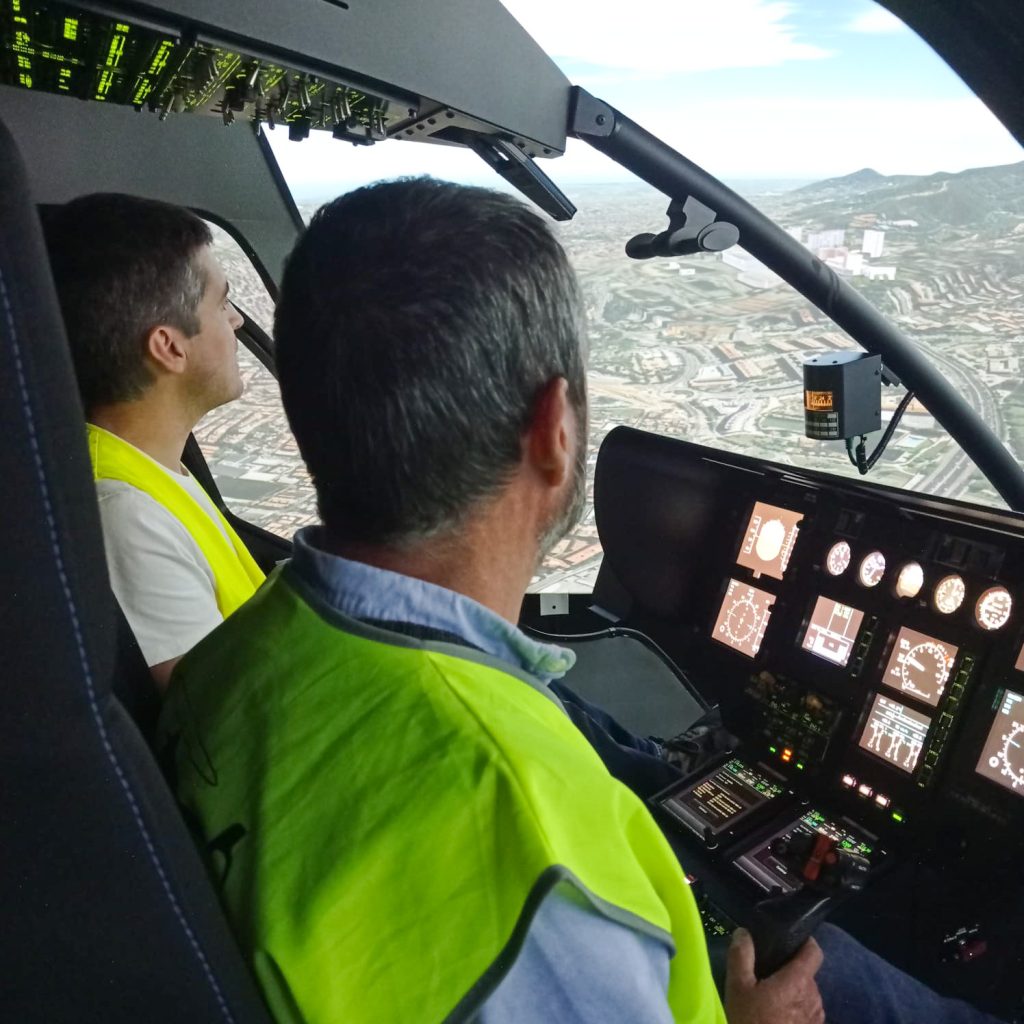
(407, 825)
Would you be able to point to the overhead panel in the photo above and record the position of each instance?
(365, 71)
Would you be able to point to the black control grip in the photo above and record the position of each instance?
(782, 924)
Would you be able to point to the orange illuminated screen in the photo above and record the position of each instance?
(895, 733)
(1002, 757)
(743, 618)
(1019, 663)
(769, 539)
(832, 631)
(919, 666)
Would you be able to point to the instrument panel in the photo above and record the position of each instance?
(866, 644)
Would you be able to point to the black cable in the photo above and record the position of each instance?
(865, 462)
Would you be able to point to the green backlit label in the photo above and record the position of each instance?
(71, 28)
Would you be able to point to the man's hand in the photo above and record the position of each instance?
(789, 996)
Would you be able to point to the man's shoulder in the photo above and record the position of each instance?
(126, 513)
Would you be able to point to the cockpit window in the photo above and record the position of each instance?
(842, 125)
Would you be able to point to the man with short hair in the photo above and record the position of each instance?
(151, 331)
(408, 825)
(405, 823)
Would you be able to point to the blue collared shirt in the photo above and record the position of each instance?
(576, 966)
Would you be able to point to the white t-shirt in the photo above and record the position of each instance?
(159, 575)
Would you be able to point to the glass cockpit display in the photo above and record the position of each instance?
(743, 618)
(894, 733)
(771, 872)
(919, 666)
(719, 800)
(769, 539)
(832, 631)
(1002, 758)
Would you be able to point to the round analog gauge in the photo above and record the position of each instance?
(837, 561)
(1008, 760)
(949, 594)
(925, 668)
(993, 608)
(910, 580)
(872, 569)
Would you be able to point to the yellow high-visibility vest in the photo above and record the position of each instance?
(384, 816)
(236, 575)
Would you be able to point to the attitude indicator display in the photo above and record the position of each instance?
(1002, 757)
(919, 666)
(832, 631)
(743, 618)
(895, 733)
(769, 539)
(722, 798)
(771, 872)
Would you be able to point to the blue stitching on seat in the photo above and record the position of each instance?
(90, 687)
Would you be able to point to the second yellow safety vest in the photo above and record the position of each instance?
(235, 572)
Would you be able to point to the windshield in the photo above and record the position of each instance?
(844, 127)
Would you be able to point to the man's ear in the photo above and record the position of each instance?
(166, 346)
(550, 435)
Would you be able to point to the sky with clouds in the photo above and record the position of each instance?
(749, 89)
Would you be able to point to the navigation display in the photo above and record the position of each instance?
(769, 539)
(832, 631)
(769, 872)
(1002, 758)
(743, 618)
(895, 733)
(722, 798)
(919, 665)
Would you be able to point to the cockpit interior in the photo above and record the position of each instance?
(863, 643)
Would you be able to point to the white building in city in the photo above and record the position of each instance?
(873, 243)
(831, 238)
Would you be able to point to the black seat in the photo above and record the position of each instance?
(109, 915)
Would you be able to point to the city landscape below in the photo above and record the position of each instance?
(710, 348)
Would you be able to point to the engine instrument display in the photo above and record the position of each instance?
(837, 561)
(894, 733)
(919, 665)
(910, 580)
(1002, 758)
(872, 569)
(769, 539)
(770, 872)
(743, 618)
(993, 608)
(949, 594)
(832, 631)
(719, 800)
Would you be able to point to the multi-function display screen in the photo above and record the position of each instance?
(895, 733)
(832, 631)
(919, 666)
(1002, 758)
(769, 539)
(722, 798)
(743, 618)
(770, 872)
